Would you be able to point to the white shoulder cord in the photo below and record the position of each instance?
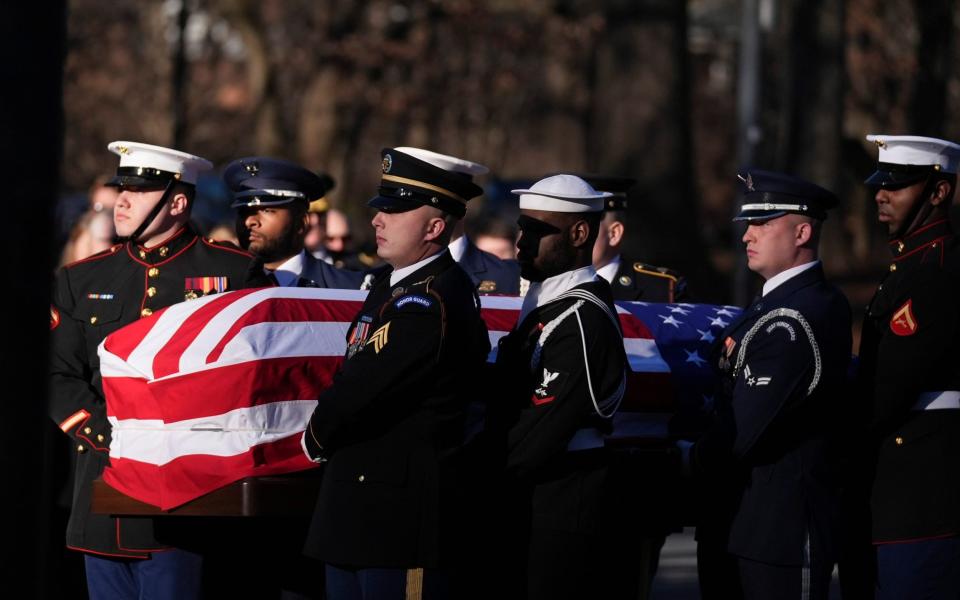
(788, 313)
(617, 396)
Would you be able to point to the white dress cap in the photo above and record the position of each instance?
(445, 161)
(562, 193)
(136, 154)
(917, 150)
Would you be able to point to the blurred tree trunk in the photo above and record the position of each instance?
(245, 16)
(934, 52)
(810, 39)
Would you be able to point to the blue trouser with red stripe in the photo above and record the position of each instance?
(923, 570)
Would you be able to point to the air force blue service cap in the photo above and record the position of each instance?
(264, 181)
(908, 159)
(562, 193)
(412, 177)
(154, 167)
(768, 195)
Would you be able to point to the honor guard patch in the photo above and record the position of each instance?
(54, 317)
(421, 300)
(903, 322)
(486, 286)
(380, 337)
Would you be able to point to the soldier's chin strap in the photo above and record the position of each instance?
(135, 236)
(921, 209)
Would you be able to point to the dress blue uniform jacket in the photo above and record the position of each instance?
(325, 275)
(772, 451)
(489, 274)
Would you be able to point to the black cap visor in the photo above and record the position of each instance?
(893, 176)
(403, 199)
(390, 204)
(141, 177)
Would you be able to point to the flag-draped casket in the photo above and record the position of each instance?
(210, 391)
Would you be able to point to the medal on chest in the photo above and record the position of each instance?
(358, 335)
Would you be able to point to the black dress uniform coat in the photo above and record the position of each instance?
(773, 450)
(547, 401)
(911, 345)
(93, 298)
(392, 419)
(489, 274)
(636, 281)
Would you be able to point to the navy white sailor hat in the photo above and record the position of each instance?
(768, 195)
(617, 185)
(412, 177)
(907, 159)
(562, 193)
(149, 166)
(264, 181)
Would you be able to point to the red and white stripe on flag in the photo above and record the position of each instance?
(207, 392)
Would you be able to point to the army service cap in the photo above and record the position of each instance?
(411, 178)
(906, 159)
(149, 166)
(618, 186)
(768, 195)
(265, 181)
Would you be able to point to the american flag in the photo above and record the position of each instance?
(207, 392)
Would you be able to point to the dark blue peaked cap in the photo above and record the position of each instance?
(406, 183)
(768, 195)
(264, 181)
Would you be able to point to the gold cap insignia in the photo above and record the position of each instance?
(387, 163)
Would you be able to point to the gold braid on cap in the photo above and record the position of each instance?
(395, 179)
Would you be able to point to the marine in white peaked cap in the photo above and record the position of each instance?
(145, 169)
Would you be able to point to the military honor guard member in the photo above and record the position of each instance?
(630, 280)
(161, 262)
(635, 281)
(562, 375)
(771, 457)
(272, 198)
(388, 426)
(910, 372)
(490, 274)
